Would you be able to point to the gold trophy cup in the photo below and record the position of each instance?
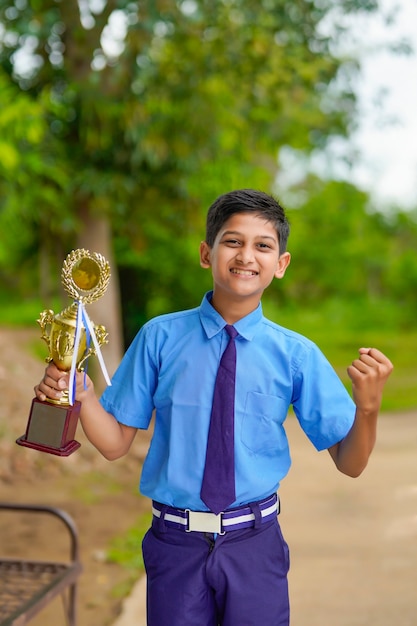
(71, 338)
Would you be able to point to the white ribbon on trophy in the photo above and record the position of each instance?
(83, 321)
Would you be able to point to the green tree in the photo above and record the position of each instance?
(401, 278)
(153, 108)
(339, 247)
(31, 186)
(347, 255)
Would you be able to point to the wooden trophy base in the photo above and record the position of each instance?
(51, 428)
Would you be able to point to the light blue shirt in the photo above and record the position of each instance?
(171, 366)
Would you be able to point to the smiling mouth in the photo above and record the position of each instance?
(243, 272)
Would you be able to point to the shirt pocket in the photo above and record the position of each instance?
(262, 423)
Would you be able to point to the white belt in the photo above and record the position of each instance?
(206, 522)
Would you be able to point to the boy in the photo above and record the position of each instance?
(228, 569)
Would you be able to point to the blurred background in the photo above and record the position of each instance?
(121, 121)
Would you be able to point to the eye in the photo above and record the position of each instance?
(232, 242)
(264, 246)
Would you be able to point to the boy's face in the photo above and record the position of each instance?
(244, 259)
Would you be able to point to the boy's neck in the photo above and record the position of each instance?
(233, 310)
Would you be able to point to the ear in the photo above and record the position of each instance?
(283, 263)
(205, 251)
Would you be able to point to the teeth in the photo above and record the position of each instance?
(244, 272)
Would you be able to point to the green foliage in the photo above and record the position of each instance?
(198, 98)
(341, 249)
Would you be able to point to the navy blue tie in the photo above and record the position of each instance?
(218, 486)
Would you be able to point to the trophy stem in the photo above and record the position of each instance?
(62, 401)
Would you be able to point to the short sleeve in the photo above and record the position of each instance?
(130, 396)
(321, 403)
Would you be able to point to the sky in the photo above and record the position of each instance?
(385, 142)
(387, 136)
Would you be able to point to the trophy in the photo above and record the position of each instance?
(71, 338)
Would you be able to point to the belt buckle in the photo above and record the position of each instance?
(205, 522)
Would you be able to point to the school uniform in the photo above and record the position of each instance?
(204, 577)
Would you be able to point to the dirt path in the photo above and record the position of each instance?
(353, 542)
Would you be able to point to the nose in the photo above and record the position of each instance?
(245, 255)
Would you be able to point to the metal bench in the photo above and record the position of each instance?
(27, 586)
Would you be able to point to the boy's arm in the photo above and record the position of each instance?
(102, 429)
(368, 374)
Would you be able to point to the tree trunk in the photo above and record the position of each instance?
(95, 236)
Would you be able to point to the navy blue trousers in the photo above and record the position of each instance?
(237, 579)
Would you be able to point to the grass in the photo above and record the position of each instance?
(126, 550)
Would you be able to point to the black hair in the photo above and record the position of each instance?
(247, 201)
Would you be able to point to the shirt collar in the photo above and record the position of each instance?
(213, 322)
